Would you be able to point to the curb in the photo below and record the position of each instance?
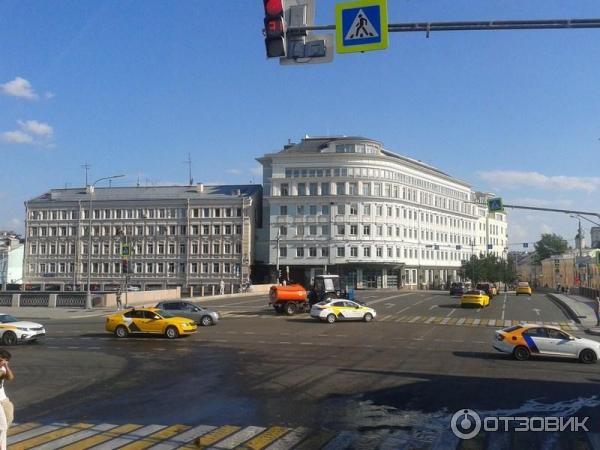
(595, 332)
(565, 308)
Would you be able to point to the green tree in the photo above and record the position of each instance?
(549, 244)
(489, 268)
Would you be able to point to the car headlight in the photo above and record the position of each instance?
(22, 329)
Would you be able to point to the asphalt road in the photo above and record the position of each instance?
(391, 383)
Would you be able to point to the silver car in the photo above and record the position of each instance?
(189, 310)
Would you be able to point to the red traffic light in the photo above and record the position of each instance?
(274, 8)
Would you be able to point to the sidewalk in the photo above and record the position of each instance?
(580, 309)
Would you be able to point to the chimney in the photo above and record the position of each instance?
(89, 189)
(200, 188)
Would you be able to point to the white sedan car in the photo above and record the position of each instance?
(13, 330)
(339, 309)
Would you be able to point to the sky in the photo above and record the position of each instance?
(132, 86)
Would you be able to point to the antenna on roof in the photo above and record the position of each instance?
(87, 167)
(138, 181)
(189, 163)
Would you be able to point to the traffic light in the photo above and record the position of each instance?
(274, 28)
(125, 266)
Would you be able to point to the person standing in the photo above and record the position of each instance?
(598, 311)
(222, 288)
(119, 303)
(7, 410)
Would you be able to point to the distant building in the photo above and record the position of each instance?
(526, 268)
(186, 236)
(347, 205)
(11, 258)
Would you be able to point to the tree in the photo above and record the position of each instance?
(488, 268)
(549, 244)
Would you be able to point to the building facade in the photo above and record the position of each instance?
(187, 236)
(11, 259)
(347, 205)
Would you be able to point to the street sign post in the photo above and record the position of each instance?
(495, 204)
(361, 26)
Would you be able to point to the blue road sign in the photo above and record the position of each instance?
(490, 246)
(495, 204)
(525, 244)
(361, 26)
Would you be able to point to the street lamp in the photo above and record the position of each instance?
(88, 298)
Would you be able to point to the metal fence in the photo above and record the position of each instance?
(71, 300)
(589, 292)
(35, 300)
(5, 299)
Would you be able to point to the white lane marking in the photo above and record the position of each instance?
(451, 312)
(492, 322)
(387, 298)
(241, 436)
(183, 438)
(445, 321)
(432, 307)
(479, 310)
(289, 440)
(476, 322)
(503, 307)
(130, 437)
(249, 332)
(76, 437)
(414, 319)
(284, 342)
(537, 311)
(402, 310)
(389, 305)
(306, 343)
(461, 321)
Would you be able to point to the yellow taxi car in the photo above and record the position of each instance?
(148, 320)
(523, 288)
(331, 310)
(475, 298)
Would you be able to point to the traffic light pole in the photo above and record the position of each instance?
(566, 211)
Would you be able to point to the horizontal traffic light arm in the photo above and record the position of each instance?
(481, 25)
(566, 211)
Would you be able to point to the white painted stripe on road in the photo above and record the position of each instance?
(451, 312)
(386, 317)
(445, 320)
(492, 322)
(402, 310)
(476, 322)
(461, 321)
(387, 298)
(290, 440)
(76, 437)
(183, 438)
(35, 432)
(431, 319)
(129, 438)
(414, 319)
(507, 323)
(241, 436)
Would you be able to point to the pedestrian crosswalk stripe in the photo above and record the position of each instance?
(243, 435)
(16, 429)
(290, 439)
(130, 437)
(155, 438)
(460, 321)
(80, 435)
(265, 438)
(183, 438)
(32, 433)
(213, 436)
(50, 436)
(99, 439)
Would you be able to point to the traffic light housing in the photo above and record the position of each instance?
(274, 28)
(125, 266)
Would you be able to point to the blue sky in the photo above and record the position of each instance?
(133, 86)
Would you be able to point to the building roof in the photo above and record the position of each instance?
(315, 144)
(149, 193)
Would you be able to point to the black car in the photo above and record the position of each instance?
(488, 288)
(180, 308)
(458, 289)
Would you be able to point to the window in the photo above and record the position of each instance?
(325, 252)
(367, 210)
(341, 209)
(283, 210)
(301, 189)
(367, 230)
(341, 252)
(312, 210)
(353, 230)
(285, 189)
(312, 251)
(313, 188)
(341, 229)
(216, 267)
(366, 189)
(312, 230)
(354, 251)
(324, 188)
(299, 230)
(299, 252)
(353, 188)
(300, 210)
(283, 230)
(354, 209)
(283, 252)
(379, 251)
(340, 188)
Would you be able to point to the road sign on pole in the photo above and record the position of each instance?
(124, 251)
(361, 26)
(495, 204)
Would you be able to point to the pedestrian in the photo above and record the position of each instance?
(7, 410)
(119, 304)
(598, 311)
(222, 288)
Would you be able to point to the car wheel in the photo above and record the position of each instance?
(9, 338)
(171, 332)
(521, 353)
(290, 309)
(368, 317)
(331, 318)
(206, 321)
(278, 309)
(121, 331)
(587, 356)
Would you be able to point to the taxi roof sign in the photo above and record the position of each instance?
(495, 204)
(361, 26)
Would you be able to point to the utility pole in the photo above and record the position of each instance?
(277, 254)
(189, 163)
(86, 167)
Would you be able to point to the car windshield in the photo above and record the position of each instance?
(473, 293)
(5, 318)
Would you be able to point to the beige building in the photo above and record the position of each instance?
(571, 270)
(178, 236)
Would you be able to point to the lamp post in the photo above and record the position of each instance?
(88, 298)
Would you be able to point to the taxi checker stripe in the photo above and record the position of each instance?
(530, 343)
(103, 437)
(50, 436)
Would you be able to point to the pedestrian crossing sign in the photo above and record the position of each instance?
(495, 204)
(361, 26)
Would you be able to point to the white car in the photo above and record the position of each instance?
(525, 340)
(339, 309)
(13, 330)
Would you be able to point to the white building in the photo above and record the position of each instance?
(186, 236)
(11, 259)
(347, 205)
